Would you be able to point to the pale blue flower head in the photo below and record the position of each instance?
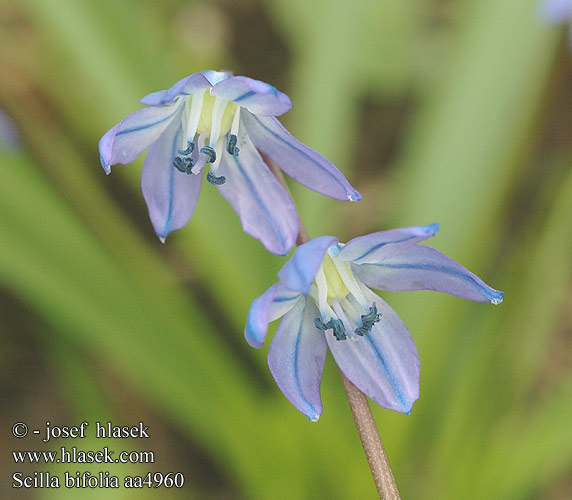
(220, 122)
(10, 140)
(558, 12)
(324, 302)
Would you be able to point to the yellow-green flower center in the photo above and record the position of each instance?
(336, 286)
(209, 121)
(206, 118)
(341, 301)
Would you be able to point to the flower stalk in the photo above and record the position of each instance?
(371, 442)
(363, 417)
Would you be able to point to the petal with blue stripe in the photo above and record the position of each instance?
(170, 195)
(297, 160)
(383, 364)
(296, 358)
(184, 87)
(263, 206)
(299, 272)
(256, 96)
(378, 246)
(271, 305)
(134, 134)
(424, 268)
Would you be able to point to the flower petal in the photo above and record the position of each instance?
(296, 358)
(424, 268)
(556, 11)
(376, 247)
(299, 272)
(383, 364)
(298, 160)
(170, 195)
(271, 305)
(263, 206)
(186, 86)
(256, 96)
(216, 76)
(134, 134)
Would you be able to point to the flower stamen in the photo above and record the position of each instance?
(338, 329)
(350, 282)
(322, 290)
(368, 320)
(235, 122)
(210, 153)
(189, 150)
(214, 180)
(183, 165)
(218, 112)
(336, 325)
(194, 115)
(231, 146)
(320, 325)
(340, 314)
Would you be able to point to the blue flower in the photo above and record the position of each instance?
(324, 301)
(557, 12)
(222, 120)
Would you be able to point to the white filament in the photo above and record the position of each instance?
(350, 282)
(235, 122)
(194, 116)
(322, 293)
(218, 112)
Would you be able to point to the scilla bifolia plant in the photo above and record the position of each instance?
(323, 296)
(214, 118)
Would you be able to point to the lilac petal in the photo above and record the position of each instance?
(170, 195)
(556, 11)
(299, 272)
(134, 134)
(383, 364)
(216, 76)
(263, 206)
(271, 305)
(10, 139)
(376, 247)
(187, 86)
(296, 358)
(298, 160)
(424, 268)
(256, 96)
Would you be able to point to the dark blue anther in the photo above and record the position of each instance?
(189, 150)
(214, 180)
(338, 329)
(231, 146)
(368, 320)
(320, 324)
(183, 165)
(178, 163)
(335, 324)
(210, 152)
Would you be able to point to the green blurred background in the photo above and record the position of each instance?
(449, 111)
